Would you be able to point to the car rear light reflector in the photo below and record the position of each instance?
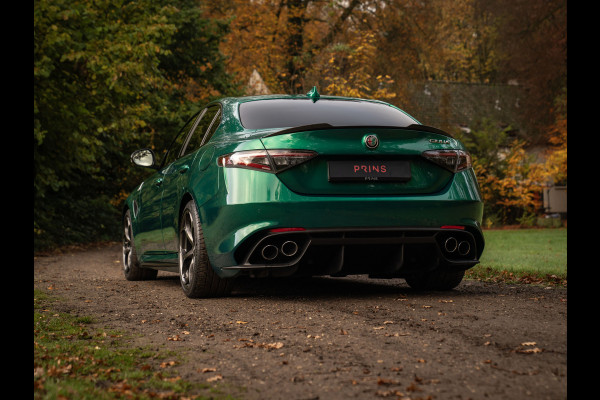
(276, 230)
(452, 160)
(262, 160)
(452, 227)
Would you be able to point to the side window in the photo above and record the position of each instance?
(212, 128)
(176, 145)
(205, 123)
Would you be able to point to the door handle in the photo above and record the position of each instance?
(184, 169)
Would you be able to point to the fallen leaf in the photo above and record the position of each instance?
(215, 378)
(381, 381)
(528, 344)
(388, 393)
(251, 343)
(529, 351)
(167, 364)
(205, 370)
(241, 322)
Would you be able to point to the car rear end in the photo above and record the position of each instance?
(337, 198)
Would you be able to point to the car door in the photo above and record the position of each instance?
(177, 176)
(146, 209)
(149, 238)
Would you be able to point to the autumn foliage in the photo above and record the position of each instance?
(372, 49)
(110, 76)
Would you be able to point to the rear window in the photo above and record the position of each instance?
(288, 113)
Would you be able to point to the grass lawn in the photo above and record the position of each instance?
(521, 254)
(72, 361)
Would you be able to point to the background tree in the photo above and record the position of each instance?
(114, 75)
(533, 41)
(109, 75)
(282, 39)
(556, 161)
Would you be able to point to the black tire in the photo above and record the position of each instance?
(435, 280)
(131, 265)
(198, 279)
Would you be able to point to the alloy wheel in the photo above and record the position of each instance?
(187, 246)
(127, 243)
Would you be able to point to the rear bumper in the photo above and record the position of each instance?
(380, 252)
(240, 217)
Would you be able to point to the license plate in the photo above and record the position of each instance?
(353, 171)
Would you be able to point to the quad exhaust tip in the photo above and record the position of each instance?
(463, 248)
(288, 249)
(269, 252)
(451, 245)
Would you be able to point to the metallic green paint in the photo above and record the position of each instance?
(234, 203)
(278, 206)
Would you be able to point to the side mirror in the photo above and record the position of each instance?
(143, 158)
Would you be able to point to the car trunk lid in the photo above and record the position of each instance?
(363, 160)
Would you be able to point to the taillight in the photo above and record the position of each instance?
(253, 159)
(263, 160)
(453, 160)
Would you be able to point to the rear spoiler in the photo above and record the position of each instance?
(315, 127)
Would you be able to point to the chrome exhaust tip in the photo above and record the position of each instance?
(463, 248)
(269, 252)
(289, 248)
(450, 245)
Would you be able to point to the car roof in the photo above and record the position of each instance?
(243, 99)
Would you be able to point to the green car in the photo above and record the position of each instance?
(304, 185)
